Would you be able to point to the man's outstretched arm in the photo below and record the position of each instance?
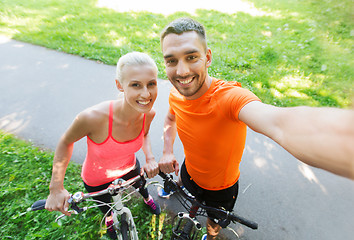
(320, 137)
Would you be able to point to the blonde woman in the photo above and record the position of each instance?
(115, 131)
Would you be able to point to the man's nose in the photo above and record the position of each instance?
(182, 69)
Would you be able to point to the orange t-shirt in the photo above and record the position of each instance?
(212, 135)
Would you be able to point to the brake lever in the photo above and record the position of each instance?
(63, 215)
(169, 184)
(77, 197)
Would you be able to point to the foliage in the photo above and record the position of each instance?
(25, 173)
(289, 53)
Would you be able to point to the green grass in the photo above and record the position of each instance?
(25, 173)
(298, 53)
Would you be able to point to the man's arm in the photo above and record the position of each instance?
(320, 137)
(151, 167)
(168, 162)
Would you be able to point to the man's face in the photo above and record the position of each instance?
(186, 61)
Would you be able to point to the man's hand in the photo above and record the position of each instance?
(151, 168)
(58, 201)
(168, 164)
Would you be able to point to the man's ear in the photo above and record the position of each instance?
(209, 57)
(119, 86)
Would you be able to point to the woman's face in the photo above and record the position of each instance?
(139, 85)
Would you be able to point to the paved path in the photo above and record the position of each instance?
(42, 91)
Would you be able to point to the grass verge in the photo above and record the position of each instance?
(288, 53)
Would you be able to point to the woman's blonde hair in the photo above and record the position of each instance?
(133, 59)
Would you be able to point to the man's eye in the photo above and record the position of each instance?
(171, 61)
(135, 85)
(192, 57)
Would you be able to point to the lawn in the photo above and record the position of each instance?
(296, 52)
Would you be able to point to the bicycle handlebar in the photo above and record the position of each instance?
(171, 185)
(116, 186)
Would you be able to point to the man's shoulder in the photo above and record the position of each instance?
(223, 84)
(224, 88)
(231, 91)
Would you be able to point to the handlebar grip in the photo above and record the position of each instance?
(162, 174)
(169, 183)
(38, 205)
(245, 222)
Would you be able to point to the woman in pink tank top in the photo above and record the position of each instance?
(115, 131)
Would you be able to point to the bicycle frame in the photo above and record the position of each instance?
(189, 230)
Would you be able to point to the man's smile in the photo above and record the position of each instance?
(185, 81)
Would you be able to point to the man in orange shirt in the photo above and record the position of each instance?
(211, 116)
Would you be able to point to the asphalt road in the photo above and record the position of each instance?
(42, 90)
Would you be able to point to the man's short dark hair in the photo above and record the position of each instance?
(182, 25)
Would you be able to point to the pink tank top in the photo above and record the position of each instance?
(110, 159)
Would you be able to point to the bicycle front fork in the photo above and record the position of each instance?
(185, 227)
(123, 214)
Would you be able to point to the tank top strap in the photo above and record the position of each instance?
(110, 124)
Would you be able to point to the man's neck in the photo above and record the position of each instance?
(204, 88)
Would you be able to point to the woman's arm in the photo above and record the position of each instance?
(320, 137)
(57, 199)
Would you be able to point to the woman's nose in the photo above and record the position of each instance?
(145, 92)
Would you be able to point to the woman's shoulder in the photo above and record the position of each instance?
(96, 112)
(151, 114)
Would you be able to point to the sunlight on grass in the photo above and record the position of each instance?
(22, 21)
(294, 81)
(296, 94)
(267, 33)
(120, 42)
(276, 93)
(65, 18)
(90, 38)
(166, 8)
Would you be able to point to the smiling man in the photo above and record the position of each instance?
(211, 117)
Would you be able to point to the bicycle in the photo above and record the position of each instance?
(185, 225)
(123, 222)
